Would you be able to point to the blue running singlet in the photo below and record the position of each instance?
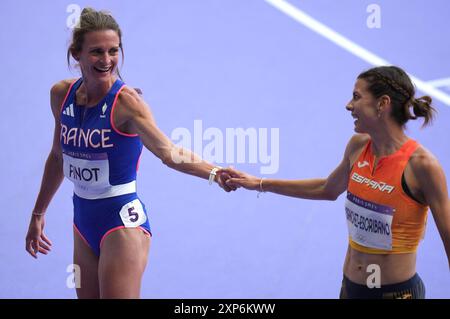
(102, 163)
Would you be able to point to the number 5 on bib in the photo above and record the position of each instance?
(132, 214)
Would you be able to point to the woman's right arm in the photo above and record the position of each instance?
(53, 172)
(321, 188)
(52, 178)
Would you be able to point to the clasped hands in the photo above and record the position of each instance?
(231, 179)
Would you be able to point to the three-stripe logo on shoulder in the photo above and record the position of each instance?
(69, 111)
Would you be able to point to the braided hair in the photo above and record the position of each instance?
(394, 82)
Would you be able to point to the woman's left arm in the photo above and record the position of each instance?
(431, 177)
(135, 112)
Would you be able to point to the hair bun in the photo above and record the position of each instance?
(422, 108)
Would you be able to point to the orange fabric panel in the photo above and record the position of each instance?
(382, 185)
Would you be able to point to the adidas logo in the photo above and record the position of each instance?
(69, 111)
(104, 107)
(361, 165)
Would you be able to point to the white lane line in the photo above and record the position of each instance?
(440, 82)
(351, 46)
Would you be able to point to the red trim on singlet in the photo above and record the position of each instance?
(138, 162)
(67, 94)
(111, 116)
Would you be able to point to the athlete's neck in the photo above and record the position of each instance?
(388, 140)
(91, 92)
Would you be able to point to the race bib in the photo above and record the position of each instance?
(88, 171)
(369, 224)
(133, 214)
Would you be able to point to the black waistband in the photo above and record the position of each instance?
(355, 290)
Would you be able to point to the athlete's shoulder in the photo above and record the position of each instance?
(129, 95)
(130, 101)
(428, 172)
(60, 88)
(422, 161)
(57, 94)
(357, 142)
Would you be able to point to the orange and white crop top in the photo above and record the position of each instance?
(381, 217)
